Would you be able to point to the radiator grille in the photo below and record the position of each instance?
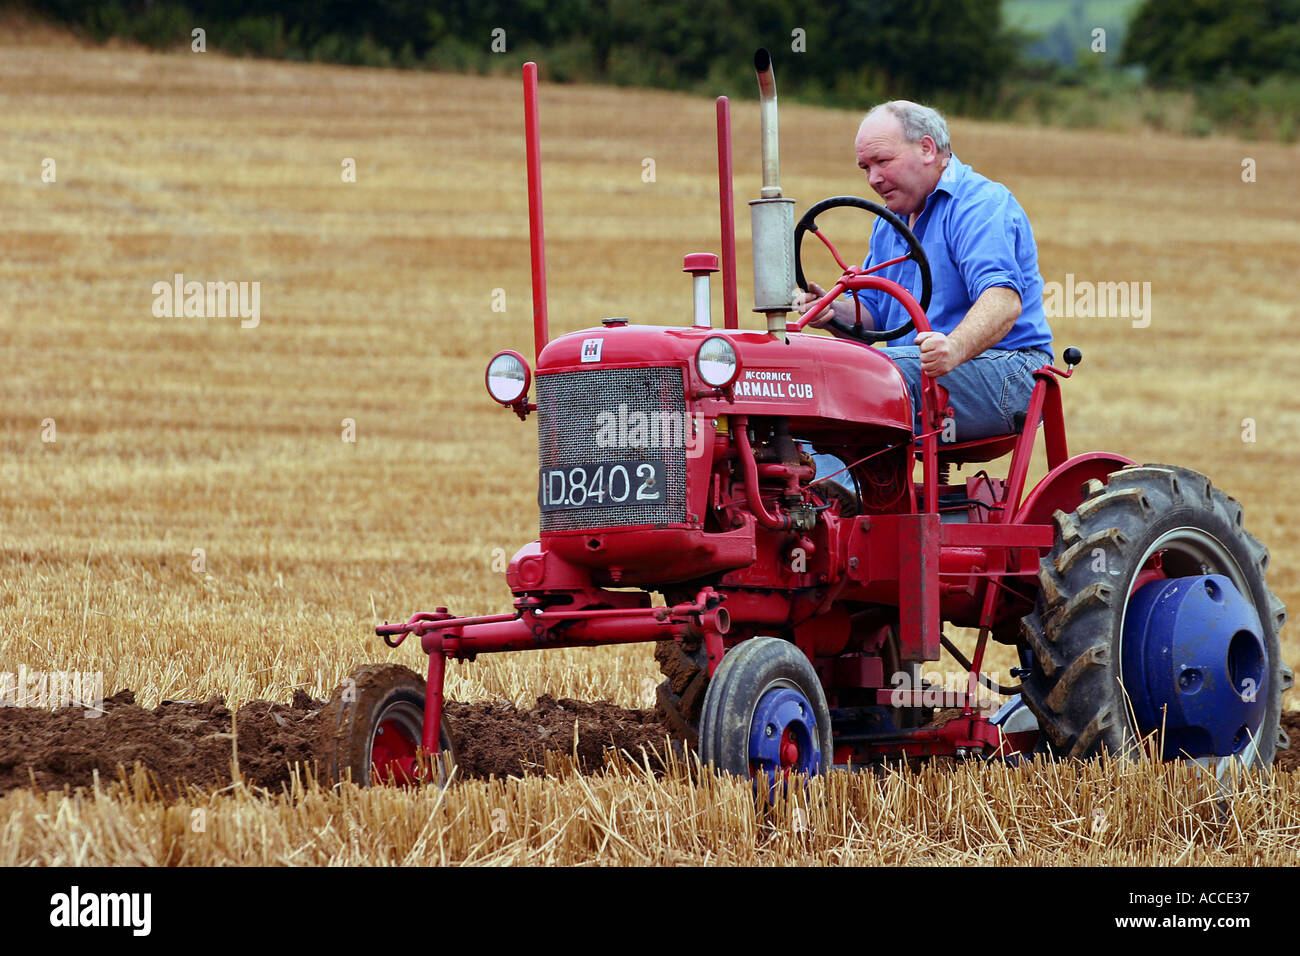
(569, 418)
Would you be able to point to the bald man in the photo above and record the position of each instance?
(986, 310)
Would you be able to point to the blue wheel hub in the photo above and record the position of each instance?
(783, 735)
(1194, 662)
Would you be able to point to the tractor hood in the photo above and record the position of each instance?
(807, 378)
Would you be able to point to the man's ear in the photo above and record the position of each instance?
(929, 150)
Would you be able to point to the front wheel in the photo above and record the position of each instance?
(1154, 617)
(765, 713)
(371, 731)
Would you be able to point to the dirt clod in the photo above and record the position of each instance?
(1289, 760)
(498, 739)
(190, 742)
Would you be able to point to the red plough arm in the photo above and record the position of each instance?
(442, 635)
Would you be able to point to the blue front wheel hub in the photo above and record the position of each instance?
(1194, 663)
(783, 735)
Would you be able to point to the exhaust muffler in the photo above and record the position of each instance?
(772, 216)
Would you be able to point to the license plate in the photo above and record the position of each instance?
(611, 484)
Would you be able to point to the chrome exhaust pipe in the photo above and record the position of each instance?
(768, 125)
(772, 216)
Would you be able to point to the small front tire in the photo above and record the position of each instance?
(765, 713)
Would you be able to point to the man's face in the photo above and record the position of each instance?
(903, 174)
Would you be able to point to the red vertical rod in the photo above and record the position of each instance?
(1054, 425)
(430, 737)
(973, 682)
(536, 236)
(727, 211)
(930, 465)
(1024, 450)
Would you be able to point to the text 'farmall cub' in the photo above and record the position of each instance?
(798, 611)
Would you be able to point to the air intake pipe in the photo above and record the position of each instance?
(772, 216)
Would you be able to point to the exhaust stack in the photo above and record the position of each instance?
(767, 120)
(772, 216)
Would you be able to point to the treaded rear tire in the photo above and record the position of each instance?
(1074, 632)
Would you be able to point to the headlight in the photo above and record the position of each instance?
(508, 377)
(717, 361)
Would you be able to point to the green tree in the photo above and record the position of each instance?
(1185, 41)
(914, 48)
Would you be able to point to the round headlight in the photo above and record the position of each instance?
(508, 377)
(717, 361)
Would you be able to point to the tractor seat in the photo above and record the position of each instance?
(980, 449)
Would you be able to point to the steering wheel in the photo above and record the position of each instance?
(915, 253)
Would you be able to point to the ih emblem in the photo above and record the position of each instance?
(591, 349)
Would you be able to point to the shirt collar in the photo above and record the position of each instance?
(949, 182)
(952, 177)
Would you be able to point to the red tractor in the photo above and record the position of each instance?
(798, 610)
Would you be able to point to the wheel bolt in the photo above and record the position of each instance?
(769, 730)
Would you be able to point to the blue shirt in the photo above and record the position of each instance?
(976, 237)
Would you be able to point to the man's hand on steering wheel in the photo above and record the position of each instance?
(847, 314)
(804, 300)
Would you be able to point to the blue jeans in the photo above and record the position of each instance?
(987, 394)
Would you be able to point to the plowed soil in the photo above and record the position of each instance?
(1290, 759)
(188, 742)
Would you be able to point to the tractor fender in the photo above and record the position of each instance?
(1062, 487)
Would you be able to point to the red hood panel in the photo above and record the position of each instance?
(807, 376)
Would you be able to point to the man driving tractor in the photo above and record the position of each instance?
(989, 329)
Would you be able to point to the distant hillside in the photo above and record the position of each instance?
(1062, 28)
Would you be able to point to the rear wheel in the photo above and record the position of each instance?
(765, 713)
(679, 700)
(371, 730)
(1154, 616)
(832, 490)
(894, 666)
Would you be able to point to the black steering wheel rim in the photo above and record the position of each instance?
(915, 252)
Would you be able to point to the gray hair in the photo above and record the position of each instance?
(917, 121)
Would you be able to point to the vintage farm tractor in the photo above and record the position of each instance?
(797, 611)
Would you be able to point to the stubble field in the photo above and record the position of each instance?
(177, 434)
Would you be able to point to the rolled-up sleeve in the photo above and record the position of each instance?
(984, 243)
